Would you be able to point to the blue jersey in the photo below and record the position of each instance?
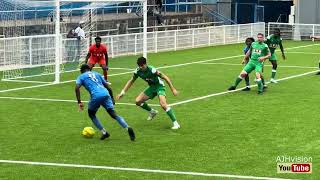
(94, 83)
(246, 49)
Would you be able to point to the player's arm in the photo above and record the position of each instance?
(107, 59)
(246, 57)
(167, 79)
(106, 56)
(77, 91)
(88, 55)
(263, 58)
(127, 87)
(282, 50)
(110, 91)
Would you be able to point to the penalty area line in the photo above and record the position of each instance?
(281, 66)
(61, 100)
(138, 170)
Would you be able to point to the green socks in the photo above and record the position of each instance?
(171, 114)
(260, 85)
(273, 74)
(169, 111)
(145, 106)
(238, 80)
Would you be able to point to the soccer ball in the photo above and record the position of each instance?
(88, 132)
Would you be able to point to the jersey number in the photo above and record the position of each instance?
(93, 77)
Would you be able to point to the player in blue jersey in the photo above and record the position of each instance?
(101, 95)
(248, 42)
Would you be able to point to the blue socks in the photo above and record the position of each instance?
(122, 122)
(97, 123)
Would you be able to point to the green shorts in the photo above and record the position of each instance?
(253, 65)
(273, 57)
(153, 91)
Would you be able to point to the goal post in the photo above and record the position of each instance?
(58, 40)
(37, 45)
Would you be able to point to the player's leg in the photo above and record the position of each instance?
(122, 123)
(247, 70)
(141, 102)
(91, 63)
(92, 110)
(108, 105)
(258, 70)
(247, 79)
(262, 78)
(273, 60)
(169, 111)
(104, 69)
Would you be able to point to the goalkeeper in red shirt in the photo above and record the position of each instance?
(98, 54)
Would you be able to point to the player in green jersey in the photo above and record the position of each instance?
(259, 52)
(273, 41)
(156, 88)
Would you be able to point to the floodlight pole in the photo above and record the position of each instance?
(145, 25)
(57, 42)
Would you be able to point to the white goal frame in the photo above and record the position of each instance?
(58, 41)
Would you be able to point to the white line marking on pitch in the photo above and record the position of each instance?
(173, 104)
(163, 67)
(226, 92)
(61, 100)
(297, 52)
(24, 81)
(51, 84)
(139, 170)
(280, 66)
(23, 77)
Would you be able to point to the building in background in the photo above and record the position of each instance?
(306, 11)
(248, 11)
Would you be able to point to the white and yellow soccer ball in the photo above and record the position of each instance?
(88, 132)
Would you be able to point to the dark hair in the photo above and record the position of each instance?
(141, 61)
(97, 38)
(250, 38)
(84, 67)
(260, 34)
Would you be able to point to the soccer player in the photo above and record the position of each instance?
(98, 54)
(273, 41)
(259, 53)
(156, 88)
(248, 42)
(101, 95)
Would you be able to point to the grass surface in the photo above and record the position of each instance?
(237, 133)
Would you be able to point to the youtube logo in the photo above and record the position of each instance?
(294, 167)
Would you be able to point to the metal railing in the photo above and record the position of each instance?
(33, 51)
(295, 31)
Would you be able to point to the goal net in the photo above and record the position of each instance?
(42, 40)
